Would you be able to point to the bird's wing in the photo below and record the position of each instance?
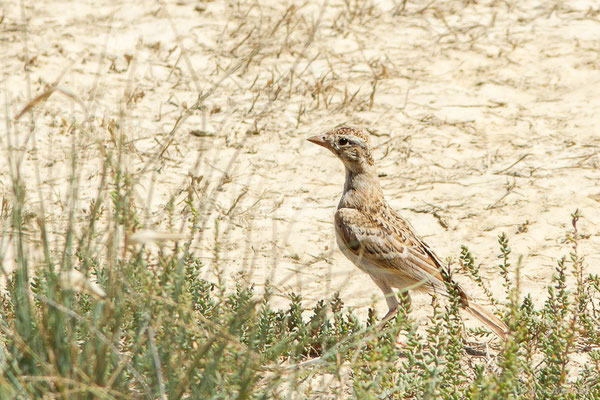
(386, 240)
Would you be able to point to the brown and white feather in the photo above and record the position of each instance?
(377, 239)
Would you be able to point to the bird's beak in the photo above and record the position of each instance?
(318, 139)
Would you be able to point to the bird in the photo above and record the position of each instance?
(379, 241)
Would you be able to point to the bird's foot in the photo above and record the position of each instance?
(390, 314)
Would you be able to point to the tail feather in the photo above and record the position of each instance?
(489, 319)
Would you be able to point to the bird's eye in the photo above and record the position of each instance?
(343, 141)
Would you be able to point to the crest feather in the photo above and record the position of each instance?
(359, 133)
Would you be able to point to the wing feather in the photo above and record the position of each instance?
(386, 244)
(375, 242)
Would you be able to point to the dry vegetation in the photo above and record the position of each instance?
(158, 148)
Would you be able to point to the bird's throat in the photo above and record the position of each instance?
(360, 189)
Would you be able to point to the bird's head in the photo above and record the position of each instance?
(351, 145)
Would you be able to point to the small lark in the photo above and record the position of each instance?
(377, 239)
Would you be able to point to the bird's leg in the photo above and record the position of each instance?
(391, 300)
(393, 304)
(390, 314)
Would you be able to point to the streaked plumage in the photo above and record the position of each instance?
(377, 239)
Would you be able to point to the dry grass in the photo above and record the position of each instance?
(190, 117)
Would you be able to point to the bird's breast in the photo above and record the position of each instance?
(350, 246)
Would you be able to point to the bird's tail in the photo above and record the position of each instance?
(489, 319)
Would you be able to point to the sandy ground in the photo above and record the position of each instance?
(484, 117)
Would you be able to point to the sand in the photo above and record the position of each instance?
(484, 117)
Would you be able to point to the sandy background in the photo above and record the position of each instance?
(484, 117)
